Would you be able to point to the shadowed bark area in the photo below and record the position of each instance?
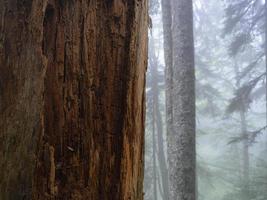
(72, 99)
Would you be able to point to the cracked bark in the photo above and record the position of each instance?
(72, 77)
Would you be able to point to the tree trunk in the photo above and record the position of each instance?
(167, 41)
(181, 140)
(72, 77)
(265, 11)
(159, 123)
(155, 191)
(245, 164)
(245, 192)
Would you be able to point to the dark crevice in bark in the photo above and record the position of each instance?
(48, 22)
(48, 168)
(81, 77)
(125, 76)
(65, 64)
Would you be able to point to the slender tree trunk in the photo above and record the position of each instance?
(72, 76)
(155, 191)
(159, 124)
(167, 41)
(245, 164)
(167, 35)
(181, 141)
(265, 10)
(245, 143)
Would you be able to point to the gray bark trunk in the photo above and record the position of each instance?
(167, 35)
(155, 191)
(265, 5)
(167, 42)
(181, 140)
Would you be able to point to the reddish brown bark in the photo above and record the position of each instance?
(72, 77)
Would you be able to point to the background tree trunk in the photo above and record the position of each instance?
(168, 58)
(245, 190)
(72, 76)
(245, 164)
(158, 119)
(167, 42)
(265, 45)
(181, 140)
(155, 186)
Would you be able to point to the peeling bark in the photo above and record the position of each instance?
(72, 77)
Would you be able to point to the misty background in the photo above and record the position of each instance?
(230, 74)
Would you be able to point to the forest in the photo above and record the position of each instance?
(133, 99)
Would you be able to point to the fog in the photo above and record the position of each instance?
(230, 71)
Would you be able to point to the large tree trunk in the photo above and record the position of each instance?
(181, 140)
(72, 77)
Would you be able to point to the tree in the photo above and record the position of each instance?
(156, 183)
(72, 77)
(181, 139)
(265, 52)
(167, 45)
(167, 42)
(244, 134)
(246, 22)
(157, 118)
